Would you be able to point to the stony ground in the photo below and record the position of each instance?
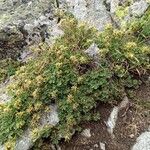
(132, 121)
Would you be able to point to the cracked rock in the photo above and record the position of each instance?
(91, 11)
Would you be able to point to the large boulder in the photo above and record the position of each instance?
(25, 22)
(91, 11)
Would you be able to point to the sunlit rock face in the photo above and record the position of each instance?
(91, 11)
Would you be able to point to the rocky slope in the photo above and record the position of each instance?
(28, 22)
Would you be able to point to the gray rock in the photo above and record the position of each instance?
(138, 8)
(96, 145)
(4, 97)
(91, 11)
(111, 122)
(86, 133)
(102, 146)
(24, 22)
(93, 51)
(142, 142)
(114, 5)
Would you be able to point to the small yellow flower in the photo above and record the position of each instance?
(118, 33)
(37, 106)
(7, 109)
(59, 73)
(58, 65)
(60, 57)
(39, 79)
(17, 103)
(130, 55)
(18, 92)
(83, 59)
(108, 27)
(145, 49)
(22, 68)
(74, 88)
(80, 79)
(30, 109)
(130, 45)
(54, 94)
(70, 98)
(74, 59)
(20, 114)
(59, 52)
(35, 93)
(20, 124)
(47, 109)
(81, 24)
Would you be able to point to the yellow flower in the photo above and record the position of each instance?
(83, 59)
(20, 124)
(7, 109)
(118, 33)
(70, 98)
(130, 55)
(80, 79)
(20, 114)
(130, 45)
(108, 27)
(22, 68)
(17, 103)
(58, 65)
(74, 88)
(35, 93)
(39, 79)
(18, 92)
(60, 57)
(59, 52)
(54, 94)
(30, 109)
(37, 106)
(74, 59)
(81, 24)
(145, 49)
(47, 109)
(59, 73)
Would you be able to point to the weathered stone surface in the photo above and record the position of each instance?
(4, 97)
(86, 133)
(138, 8)
(102, 146)
(93, 51)
(111, 123)
(142, 142)
(24, 22)
(92, 11)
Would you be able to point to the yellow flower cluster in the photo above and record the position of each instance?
(74, 59)
(39, 79)
(130, 45)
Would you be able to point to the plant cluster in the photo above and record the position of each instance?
(63, 74)
(7, 68)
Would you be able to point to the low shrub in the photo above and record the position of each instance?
(7, 68)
